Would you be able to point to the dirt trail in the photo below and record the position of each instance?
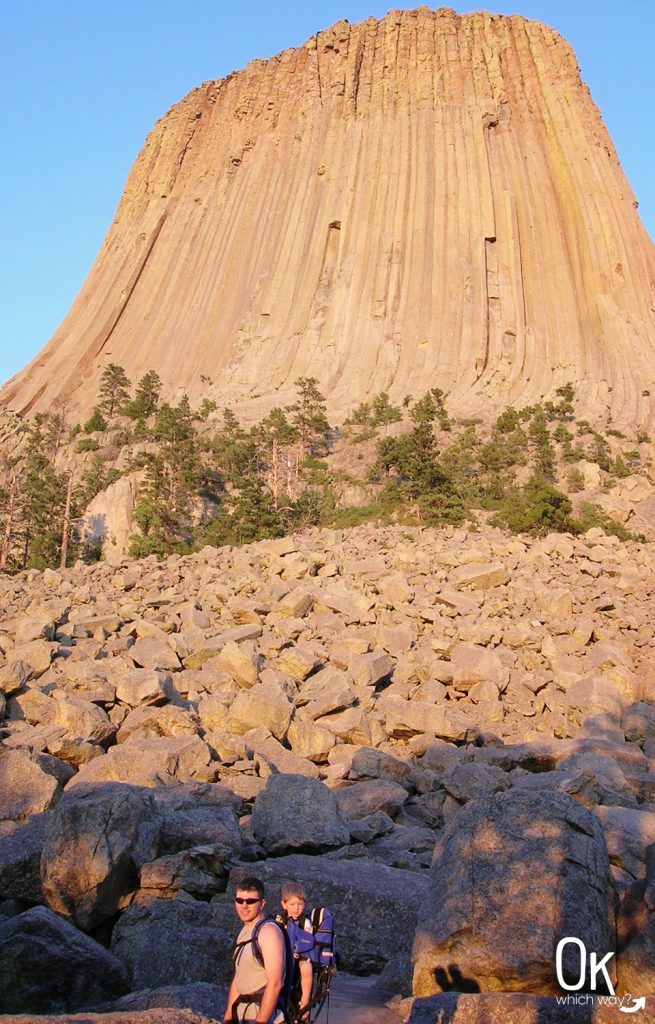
(357, 1001)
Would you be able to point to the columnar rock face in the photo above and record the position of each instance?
(425, 200)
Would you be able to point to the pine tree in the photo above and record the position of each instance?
(309, 416)
(114, 389)
(41, 509)
(146, 397)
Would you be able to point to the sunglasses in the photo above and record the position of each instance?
(248, 900)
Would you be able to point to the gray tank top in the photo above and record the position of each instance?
(249, 974)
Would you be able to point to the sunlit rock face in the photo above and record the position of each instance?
(425, 200)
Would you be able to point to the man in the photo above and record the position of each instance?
(259, 960)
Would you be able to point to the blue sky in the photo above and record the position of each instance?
(83, 81)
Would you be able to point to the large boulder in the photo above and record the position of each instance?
(628, 833)
(190, 940)
(20, 861)
(375, 907)
(96, 841)
(200, 996)
(26, 785)
(295, 813)
(265, 704)
(46, 965)
(518, 1008)
(636, 964)
(511, 876)
(199, 872)
(159, 761)
(196, 814)
(164, 1015)
(370, 795)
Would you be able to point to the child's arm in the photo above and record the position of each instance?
(306, 977)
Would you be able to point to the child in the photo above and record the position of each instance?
(293, 899)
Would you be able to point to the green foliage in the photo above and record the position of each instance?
(592, 516)
(544, 454)
(308, 416)
(95, 422)
(114, 389)
(42, 499)
(600, 453)
(236, 452)
(87, 444)
(174, 476)
(430, 408)
(207, 407)
(344, 518)
(276, 427)
(383, 411)
(97, 476)
(146, 397)
(562, 410)
(507, 422)
(618, 468)
(575, 480)
(245, 516)
(361, 417)
(537, 508)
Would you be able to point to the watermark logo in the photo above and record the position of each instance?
(593, 974)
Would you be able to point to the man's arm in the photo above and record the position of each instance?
(272, 946)
(231, 996)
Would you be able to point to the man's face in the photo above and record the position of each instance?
(294, 906)
(247, 912)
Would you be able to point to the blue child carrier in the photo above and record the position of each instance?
(312, 938)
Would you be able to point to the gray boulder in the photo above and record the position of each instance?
(195, 814)
(639, 722)
(190, 939)
(200, 996)
(295, 813)
(46, 965)
(370, 795)
(511, 876)
(20, 861)
(156, 1016)
(96, 841)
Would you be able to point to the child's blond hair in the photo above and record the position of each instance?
(291, 889)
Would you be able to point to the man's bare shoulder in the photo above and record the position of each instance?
(271, 932)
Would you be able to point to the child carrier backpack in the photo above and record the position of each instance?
(324, 953)
(313, 939)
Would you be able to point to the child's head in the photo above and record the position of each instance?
(293, 899)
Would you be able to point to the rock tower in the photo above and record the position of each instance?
(426, 200)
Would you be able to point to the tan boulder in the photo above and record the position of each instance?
(240, 662)
(297, 661)
(474, 664)
(143, 686)
(405, 718)
(479, 577)
(265, 704)
(27, 785)
(309, 740)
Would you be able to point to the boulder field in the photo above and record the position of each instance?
(447, 735)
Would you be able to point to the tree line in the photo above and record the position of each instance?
(206, 479)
